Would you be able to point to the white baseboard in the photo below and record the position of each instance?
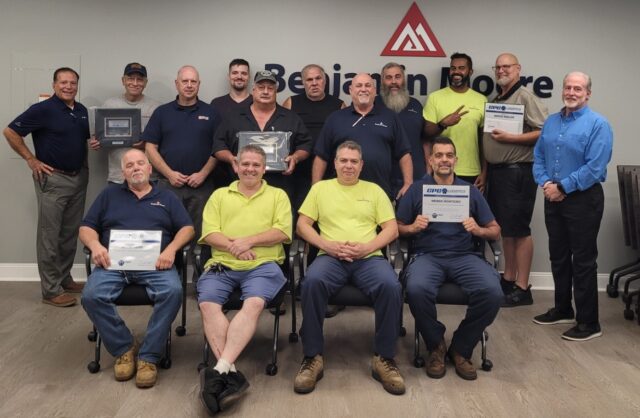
(28, 272)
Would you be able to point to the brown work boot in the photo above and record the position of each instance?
(385, 371)
(435, 361)
(61, 301)
(125, 366)
(310, 372)
(464, 367)
(146, 375)
(73, 287)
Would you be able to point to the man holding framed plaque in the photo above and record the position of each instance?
(134, 81)
(141, 209)
(278, 131)
(442, 250)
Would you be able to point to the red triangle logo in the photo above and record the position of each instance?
(413, 38)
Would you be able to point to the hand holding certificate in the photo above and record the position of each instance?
(446, 203)
(134, 250)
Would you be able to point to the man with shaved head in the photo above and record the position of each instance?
(570, 162)
(511, 189)
(375, 128)
(179, 138)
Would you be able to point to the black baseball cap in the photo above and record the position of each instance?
(134, 67)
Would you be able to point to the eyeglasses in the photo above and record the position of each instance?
(505, 67)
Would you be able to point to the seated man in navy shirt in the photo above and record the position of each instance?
(444, 250)
(135, 205)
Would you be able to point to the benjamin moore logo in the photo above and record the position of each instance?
(413, 38)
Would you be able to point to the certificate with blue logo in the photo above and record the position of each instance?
(505, 117)
(134, 249)
(445, 203)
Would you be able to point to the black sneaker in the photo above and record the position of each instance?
(518, 297)
(236, 385)
(582, 332)
(553, 316)
(212, 383)
(506, 285)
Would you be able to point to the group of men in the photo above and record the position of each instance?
(345, 167)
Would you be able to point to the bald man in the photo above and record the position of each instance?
(179, 139)
(375, 128)
(511, 188)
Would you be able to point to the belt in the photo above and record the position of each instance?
(511, 165)
(67, 173)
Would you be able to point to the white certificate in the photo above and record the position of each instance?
(448, 203)
(134, 250)
(506, 117)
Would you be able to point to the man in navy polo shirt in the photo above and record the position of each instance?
(442, 250)
(378, 131)
(179, 137)
(394, 95)
(135, 205)
(59, 127)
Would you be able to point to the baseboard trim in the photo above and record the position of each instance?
(28, 272)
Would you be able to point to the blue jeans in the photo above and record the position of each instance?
(105, 286)
(374, 276)
(424, 276)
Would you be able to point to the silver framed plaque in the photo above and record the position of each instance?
(274, 143)
(118, 127)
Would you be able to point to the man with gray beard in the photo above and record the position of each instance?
(394, 95)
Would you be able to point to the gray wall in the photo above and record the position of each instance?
(99, 37)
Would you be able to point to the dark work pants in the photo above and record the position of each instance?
(573, 226)
(374, 276)
(480, 281)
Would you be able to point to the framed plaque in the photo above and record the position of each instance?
(118, 127)
(274, 143)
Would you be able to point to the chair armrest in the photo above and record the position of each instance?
(87, 260)
(496, 249)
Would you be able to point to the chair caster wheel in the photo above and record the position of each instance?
(293, 337)
(403, 331)
(201, 366)
(612, 291)
(418, 362)
(93, 367)
(487, 365)
(272, 369)
(92, 336)
(181, 331)
(628, 314)
(165, 363)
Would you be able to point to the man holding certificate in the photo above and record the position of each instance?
(445, 250)
(119, 214)
(512, 126)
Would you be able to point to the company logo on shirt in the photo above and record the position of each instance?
(157, 203)
(381, 124)
(413, 37)
(203, 117)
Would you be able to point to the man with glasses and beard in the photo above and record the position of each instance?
(457, 112)
(394, 95)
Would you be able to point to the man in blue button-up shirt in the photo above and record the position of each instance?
(570, 162)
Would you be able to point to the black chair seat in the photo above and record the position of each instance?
(350, 295)
(451, 294)
(134, 295)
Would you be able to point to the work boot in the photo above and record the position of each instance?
(146, 375)
(311, 370)
(385, 371)
(464, 367)
(125, 366)
(61, 301)
(73, 287)
(435, 362)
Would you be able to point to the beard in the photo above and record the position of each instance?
(463, 82)
(396, 102)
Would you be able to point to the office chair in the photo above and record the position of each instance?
(202, 254)
(136, 295)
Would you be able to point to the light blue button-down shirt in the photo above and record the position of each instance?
(573, 150)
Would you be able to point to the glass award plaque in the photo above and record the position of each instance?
(274, 143)
(117, 127)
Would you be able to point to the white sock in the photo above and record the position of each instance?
(223, 366)
(233, 368)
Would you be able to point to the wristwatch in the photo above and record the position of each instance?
(441, 126)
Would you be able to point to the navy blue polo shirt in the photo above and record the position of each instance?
(379, 133)
(117, 207)
(441, 238)
(59, 133)
(184, 135)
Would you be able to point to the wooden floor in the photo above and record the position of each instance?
(44, 352)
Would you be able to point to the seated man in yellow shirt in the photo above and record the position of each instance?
(246, 225)
(348, 212)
